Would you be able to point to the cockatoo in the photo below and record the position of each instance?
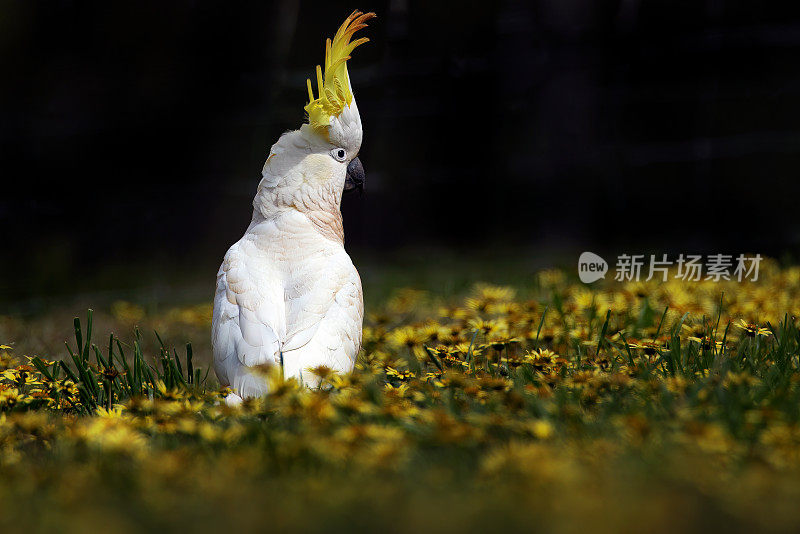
(287, 292)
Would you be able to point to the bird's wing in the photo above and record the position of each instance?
(310, 293)
(324, 316)
(248, 316)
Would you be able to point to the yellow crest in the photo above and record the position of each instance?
(333, 85)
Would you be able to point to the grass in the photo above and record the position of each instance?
(550, 405)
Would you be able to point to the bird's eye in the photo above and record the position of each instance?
(339, 154)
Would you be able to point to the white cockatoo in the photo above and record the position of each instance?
(287, 292)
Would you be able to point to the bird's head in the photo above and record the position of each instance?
(333, 115)
(321, 158)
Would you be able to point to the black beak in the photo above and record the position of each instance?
(355, 177)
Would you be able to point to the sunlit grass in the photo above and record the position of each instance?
(640, 406)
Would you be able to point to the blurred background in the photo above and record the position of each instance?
(511, 135)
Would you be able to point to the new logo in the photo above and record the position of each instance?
(591, 267)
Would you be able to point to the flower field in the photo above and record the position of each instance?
(560, 407)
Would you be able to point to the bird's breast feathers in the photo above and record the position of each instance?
(285, 294)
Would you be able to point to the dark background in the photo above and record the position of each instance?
(132, 134)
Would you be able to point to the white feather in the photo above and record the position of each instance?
(286, 294)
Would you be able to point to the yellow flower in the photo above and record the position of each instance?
(402, 375)
(10, 397)
(648, 346)
(541, 429)
(407, 336)
(752, 330)
(583, 299)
